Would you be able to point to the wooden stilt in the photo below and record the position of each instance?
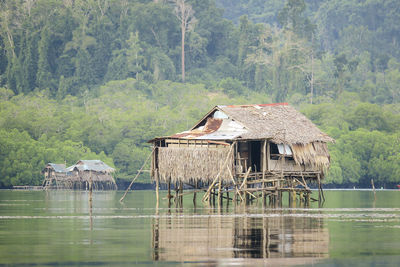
(194, 194)
(321, 197)
(220, 191)
(137, 175)
(373, 188)
(279, 198)
(169, 192)
(207, 194)
(301, 197)
(181, 194)
(293, 198)
(90, 186)
(157, 188)
(264, 168)
(176, 198)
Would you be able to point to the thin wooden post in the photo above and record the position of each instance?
(293, 192)
(320, 190)
(194, 193)
(169, 192)
(264, 167)
(90, 187)
(268, 156)
(176, 199)
(219, 190)
(373, 188)
(308, 196)
(181, 194)
(234, 183)
(244, 184)
(207, 194)
(137, 175)
(157, 187)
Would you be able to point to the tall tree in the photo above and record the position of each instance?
(185, 14)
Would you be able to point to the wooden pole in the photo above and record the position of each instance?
(169, 192)
(321, 191)
(207, 194)
(195, 192)
(308, 196)
(234, 183)
(181, 192)
(219, 190)
(90, 187)
(244, 184)
(137, 175)
(176, 199)
(293, 192)
(373, 188)
(157, 187)
(264, 167)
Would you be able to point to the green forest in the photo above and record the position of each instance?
(97, 79)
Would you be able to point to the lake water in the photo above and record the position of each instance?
(39, 228)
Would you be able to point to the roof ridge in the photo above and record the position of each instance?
(253, 105)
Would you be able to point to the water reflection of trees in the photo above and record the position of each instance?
(213, 237)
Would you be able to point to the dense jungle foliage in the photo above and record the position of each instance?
(98, 78)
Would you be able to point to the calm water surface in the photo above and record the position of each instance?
(59, 228)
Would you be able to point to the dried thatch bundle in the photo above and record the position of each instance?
(314, 154)
(188, 163)
(81, 180)
(100, 180)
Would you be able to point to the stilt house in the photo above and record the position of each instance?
(264, 147)
(53, 172)
(79, 176)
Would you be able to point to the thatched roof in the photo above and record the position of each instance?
(91, 165)
(279, 122)
(56, 167)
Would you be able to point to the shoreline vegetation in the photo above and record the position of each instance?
(89, 80)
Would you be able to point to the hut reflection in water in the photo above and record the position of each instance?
(215, 237)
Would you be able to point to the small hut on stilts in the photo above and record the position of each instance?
(83, 175)
(252, 151)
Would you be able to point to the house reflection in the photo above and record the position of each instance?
(215, 237)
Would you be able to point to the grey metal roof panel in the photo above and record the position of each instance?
(92, 165)
(58, 167)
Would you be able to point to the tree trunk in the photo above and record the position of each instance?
(183, 28)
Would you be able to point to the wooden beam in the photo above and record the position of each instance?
(264, 163)
(268, 156)
(245, 178)
(137, 175)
